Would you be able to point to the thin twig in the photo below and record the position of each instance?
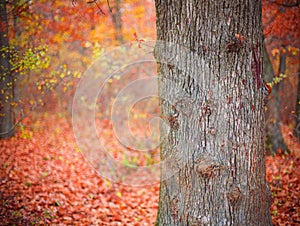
(295, 4)
(110, 9)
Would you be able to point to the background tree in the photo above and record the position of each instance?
(116, 16)
(297, 120)
(274, 136)
(281, 29)
(216, 175)
(6, 79)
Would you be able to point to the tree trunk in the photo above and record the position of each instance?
(212, 138)
(16, 76)
(116, 16)
(274, 136)
(6, 80)
(297, 121)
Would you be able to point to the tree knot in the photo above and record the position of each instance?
(207, 167)
(234, 195)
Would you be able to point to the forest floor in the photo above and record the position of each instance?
(44, 180)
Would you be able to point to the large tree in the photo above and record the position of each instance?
(209, 58)
(6, 80)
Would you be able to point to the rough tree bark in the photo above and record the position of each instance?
(209, 66)
(6, 80)
(273, 131)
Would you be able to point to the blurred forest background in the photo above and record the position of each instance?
(43, 176)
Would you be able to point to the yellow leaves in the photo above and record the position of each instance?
(139, 12)
(293, 50)
(62, 19)
(57, 130)
(57, 18)
(275, 52)
(78, 149)
(53, 80)
(13, 104)
(77, 75)
(26, 134)
(32, 59)
(100, 33)
(97, 50)
(58, 38)
(277, 79)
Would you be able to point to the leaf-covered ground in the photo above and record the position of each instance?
(45, 180)
(283, 175)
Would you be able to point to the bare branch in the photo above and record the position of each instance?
(293, 4)
(110, 9)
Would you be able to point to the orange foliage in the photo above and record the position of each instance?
(45, 180)
(281, 23)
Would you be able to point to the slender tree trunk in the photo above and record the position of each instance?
(16, 76)
(274, 136)
(212, 146)
(116, 15)
(297, 121)
(6, 80)
(268, 70)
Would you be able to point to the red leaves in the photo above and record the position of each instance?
(136, 38)
(281, 23)
(45, 180)
(283, 176)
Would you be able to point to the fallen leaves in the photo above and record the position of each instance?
(283, 176)
(44, 180)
